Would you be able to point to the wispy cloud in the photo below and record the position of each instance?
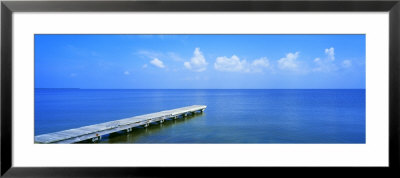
(328, 63)
(234, 64)
(331, 53)
(158, 63)
(197, 63)
(149, 54)
(156, 56)
(175, 56)
(126, 73)
(346, 63)
(82, 51)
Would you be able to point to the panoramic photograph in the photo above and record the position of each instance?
(199, 88)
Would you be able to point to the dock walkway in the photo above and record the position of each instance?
(94, 132)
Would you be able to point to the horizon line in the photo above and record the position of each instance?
(207, 88)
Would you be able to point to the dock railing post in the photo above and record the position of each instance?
(147, 124)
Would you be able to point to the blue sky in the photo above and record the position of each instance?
(200, 61)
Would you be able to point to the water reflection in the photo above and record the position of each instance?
(140, 131)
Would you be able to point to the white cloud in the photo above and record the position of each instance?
(262, 62)
(158, 63)
(346, 63)
(154, 54)
(331, 53)
(234, 64)
(259, 64)
(289, 62)
(325, 65)
(144, 66)
(127, 73)
(197, 63)
(328, 64)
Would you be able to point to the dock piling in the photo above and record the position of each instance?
(94, 132)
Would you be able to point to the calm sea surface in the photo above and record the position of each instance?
(232, 116)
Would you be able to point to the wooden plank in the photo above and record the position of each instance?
(91, 131)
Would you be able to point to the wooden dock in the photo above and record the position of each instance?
(94, 132)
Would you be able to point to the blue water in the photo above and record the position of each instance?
(232, 116)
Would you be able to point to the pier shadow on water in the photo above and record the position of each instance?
(140, 131)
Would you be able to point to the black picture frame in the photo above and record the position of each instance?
(8, 7)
